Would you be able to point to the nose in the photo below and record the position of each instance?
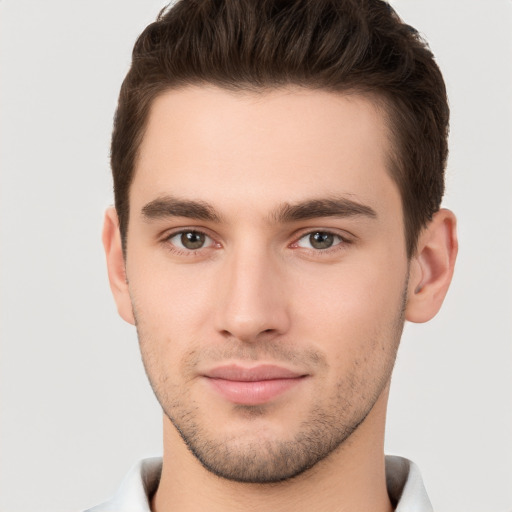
(252, 302)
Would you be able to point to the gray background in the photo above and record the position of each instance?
(76, 410)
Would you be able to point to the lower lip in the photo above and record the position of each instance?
(253, 393)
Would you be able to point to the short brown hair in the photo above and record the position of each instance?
(335, 45)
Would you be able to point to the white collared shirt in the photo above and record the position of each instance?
(404, 483)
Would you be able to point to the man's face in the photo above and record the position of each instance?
(267, 271)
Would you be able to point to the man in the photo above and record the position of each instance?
(278, 173)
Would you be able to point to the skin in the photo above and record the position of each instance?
(261, 290)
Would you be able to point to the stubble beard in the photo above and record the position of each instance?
(262, 460)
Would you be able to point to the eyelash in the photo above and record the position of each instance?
(342, 244)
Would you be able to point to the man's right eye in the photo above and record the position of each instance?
(190, 240)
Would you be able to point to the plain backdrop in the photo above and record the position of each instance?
(76, 410)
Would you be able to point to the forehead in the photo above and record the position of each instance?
(207, 143)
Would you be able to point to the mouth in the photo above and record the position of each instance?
(252, 386)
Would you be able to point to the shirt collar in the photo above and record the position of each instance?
(405, 485)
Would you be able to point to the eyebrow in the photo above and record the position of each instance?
(315, 208)
(170, 206)
(341, 207)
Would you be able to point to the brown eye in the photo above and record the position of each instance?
(319, 240)
(190, 240)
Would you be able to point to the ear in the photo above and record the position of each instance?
(431, 269)
(116, 265)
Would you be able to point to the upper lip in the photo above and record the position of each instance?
(257, 373)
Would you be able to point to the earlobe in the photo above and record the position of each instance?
(112, 244)
(431, 269)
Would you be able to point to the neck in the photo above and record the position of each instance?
(350, 478)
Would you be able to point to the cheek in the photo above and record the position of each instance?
(171, 304)
(349, 307)
(356, 323)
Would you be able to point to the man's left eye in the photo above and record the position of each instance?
(319, 240)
